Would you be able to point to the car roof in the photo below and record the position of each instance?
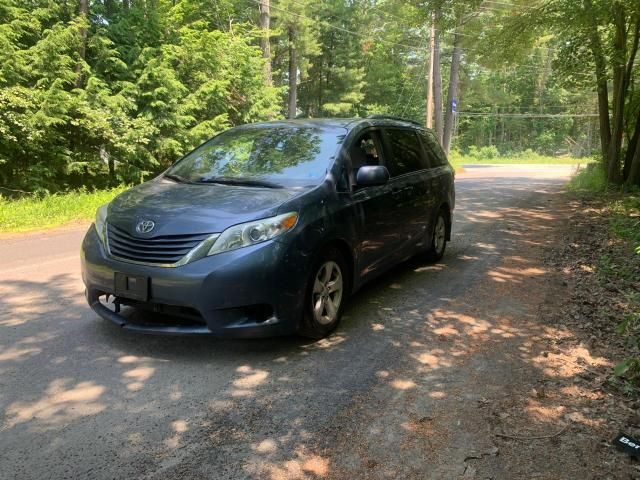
(347, 123)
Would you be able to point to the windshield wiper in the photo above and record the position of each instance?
(245, 182)
(176, 178)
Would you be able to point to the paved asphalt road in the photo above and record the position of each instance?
(81, 399)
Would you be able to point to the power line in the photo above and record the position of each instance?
(528, 115)
(415, 85)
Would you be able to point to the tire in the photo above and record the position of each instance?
(326, 295)
(438, 238)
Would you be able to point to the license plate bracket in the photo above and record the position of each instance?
(134, 287)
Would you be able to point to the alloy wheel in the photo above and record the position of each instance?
(439, 234)
(327, 293)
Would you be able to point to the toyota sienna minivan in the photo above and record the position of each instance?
(267, 228)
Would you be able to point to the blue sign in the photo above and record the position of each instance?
(454, 106)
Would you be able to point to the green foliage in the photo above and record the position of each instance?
(486, 153)
(156, 81)
(629, 369)
(589, 180)
(51, 210)
(625, 221)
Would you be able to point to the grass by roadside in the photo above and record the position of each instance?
(612, 219)
(490, 155)
(624, 208)
(39, 213)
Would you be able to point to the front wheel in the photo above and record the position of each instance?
(326, 295)
(439, 238)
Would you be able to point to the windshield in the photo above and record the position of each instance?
(279, 155)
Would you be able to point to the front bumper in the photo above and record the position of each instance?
(255, 291)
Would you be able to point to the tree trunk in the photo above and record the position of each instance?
(265, 44)
(293, 75)
(634, 168)
(109, 8)
(437, 86)
(631, 151)
(452, 94)
(82, 51)
(601, 80)
(619, 94)
(635, 138)
(432, 38)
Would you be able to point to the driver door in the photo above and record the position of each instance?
(379, 225)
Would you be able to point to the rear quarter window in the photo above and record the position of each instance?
(437, 157)
(406, 152)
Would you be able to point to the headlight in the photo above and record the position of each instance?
(101, 221)
(251, 233)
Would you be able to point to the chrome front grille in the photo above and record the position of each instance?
(160, 250)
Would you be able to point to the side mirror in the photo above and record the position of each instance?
(372, 175)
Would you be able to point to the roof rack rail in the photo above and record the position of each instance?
(392, 117)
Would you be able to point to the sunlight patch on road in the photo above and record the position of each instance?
(400, 384)
(136, 377)
(437, 395)
(60, 404)
(251, 380)
(303, 466)
(17, 354)
(266, 446)
(568, 363)
(430, 360)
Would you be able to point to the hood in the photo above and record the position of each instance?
(181, 208)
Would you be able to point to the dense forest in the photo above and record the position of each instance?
(97, 92)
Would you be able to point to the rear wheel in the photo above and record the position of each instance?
(326, 295)
(439, 238)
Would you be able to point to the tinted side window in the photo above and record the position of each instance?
(406, 152)
(437, 158)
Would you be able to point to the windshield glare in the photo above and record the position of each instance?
(280, 154)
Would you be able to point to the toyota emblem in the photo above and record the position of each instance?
(145, 226)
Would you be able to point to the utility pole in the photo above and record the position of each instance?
(265, 25)
(432, 45)
(82, 51)
(451, 109)
(292, 108)
(437, 82)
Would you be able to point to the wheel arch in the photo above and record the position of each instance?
(347, 252)
(449, 221)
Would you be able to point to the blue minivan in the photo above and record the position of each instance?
(267, 228)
